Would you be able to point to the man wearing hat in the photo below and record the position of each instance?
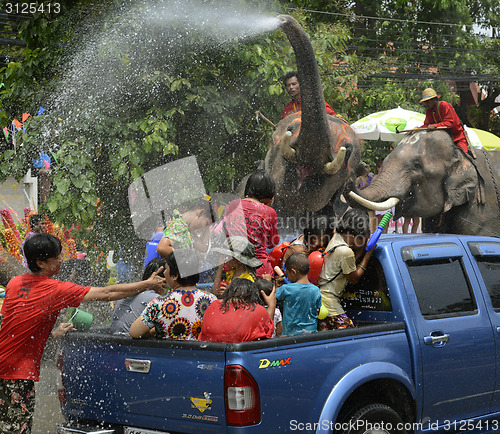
(441, 114)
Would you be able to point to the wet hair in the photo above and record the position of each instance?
(266, 286)
(201, 203)
(319, 225)
(295, 248)
(35, 219)
(153, 266)
(362, 169)
(242, 294)
(299, 262)
(186, 261)
(40, 248)
(289, 75)
(260, 186)
(354, 222)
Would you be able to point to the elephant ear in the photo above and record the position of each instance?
(461, 184)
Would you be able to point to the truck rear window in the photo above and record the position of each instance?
(442, 288)
(490, 271)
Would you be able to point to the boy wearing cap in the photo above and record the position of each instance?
(441, 114)
(242, 263)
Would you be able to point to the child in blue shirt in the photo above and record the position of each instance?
(302, 299)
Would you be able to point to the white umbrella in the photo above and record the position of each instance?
(385, 124)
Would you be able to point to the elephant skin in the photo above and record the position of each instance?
(435, 180)
(316, 139)
(9, 268)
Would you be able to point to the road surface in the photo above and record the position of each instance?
(47, 408)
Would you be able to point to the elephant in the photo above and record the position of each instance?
(428, 176)
(9, 267)
(312, 154)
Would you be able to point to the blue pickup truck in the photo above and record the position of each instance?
(424, 357)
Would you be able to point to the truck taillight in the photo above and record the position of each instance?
(60, 379)
(242, 397)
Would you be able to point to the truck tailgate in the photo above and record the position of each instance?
(297, 374)
(150, 383)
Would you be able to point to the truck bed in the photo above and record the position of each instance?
(143, 382)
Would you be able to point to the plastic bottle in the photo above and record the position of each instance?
(376, 234)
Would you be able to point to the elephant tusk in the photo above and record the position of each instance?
(286, 150)
(332, 167)
(374, 206)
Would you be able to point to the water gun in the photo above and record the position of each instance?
(281, 273)
(376, 234)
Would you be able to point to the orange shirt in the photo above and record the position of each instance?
(294, 107)
(32, 303)
(443, 115)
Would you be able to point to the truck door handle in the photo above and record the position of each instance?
(436, 340)
(498, 330)
(136, 365)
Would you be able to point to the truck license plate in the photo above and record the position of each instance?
(132, 430)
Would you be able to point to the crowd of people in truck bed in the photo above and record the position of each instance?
(253, 272)
(261, 289)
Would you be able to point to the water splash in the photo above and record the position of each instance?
(222, 21)
(123, 63)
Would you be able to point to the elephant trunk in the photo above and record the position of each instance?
(382, 194)
(314, 142)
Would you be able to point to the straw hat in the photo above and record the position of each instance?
(240, 249)
(429, 93)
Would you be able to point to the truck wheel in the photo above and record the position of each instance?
(374, 419)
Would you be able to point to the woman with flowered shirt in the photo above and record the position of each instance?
(178, 315)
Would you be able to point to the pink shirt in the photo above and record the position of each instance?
(258, 223)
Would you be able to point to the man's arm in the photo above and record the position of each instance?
(123, 290)
(270, 301)
(164, 247)
(358, 273)
(428, 119)
(449, 118)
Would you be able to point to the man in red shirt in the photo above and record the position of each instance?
(292, 86)
(30, 309)
(441, 114)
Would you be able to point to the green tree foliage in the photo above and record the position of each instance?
(125, 96)
(132, 111)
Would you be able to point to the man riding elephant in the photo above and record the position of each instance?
(292, 86)
(441, 114)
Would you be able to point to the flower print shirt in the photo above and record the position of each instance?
(178, 315)
(177, 230)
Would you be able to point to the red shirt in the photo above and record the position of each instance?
(443, 115)
(294, 107)
(31, 306)
(258, 223)
(235, 325)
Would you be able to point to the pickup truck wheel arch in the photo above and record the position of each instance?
(373, 418)
(373, 382)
